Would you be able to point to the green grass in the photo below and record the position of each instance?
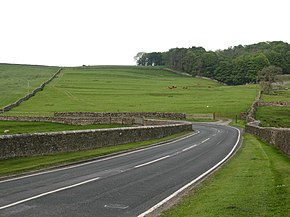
(274, 116)
(25, 164)
(137, 89)
(17, 80)
(278, 95)
(15, 127)
(254, 183)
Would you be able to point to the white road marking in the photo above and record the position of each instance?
(205, 140)
(116, 206)
(161, 203)
(151, 162)
(49, 192)
(188, 148)
(98, 160)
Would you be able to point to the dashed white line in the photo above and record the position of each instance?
(97, 160)
(205, 140)
(153, 161)
(49, 192)
(188, 148)
(161, 203)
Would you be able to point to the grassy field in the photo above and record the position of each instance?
(15, 127)
(278, 95)
(135, 89)
(17, 80)
(275, 116)
(255, 183)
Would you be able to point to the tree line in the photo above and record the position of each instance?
(233, 66)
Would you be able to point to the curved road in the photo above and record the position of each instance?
(129, 184)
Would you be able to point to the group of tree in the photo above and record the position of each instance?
(232, 66)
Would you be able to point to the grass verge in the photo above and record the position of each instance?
(25, 164)
(254, 183)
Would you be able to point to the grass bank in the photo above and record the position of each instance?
(25, 164)
(254, 183)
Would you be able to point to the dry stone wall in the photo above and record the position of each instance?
(272, 104)
(278, 137)
(23, 145)
(76, 120)
(19, 101)
(158, 115)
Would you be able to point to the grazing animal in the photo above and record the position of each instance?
(6, 131)
(172, 87)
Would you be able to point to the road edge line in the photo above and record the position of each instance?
(182, 189)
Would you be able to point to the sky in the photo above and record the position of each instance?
(112, 32)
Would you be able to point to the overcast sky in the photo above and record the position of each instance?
(111, 32)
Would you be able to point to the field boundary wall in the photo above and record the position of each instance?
(35, 144)
(278, 137)
(159, 115)
(28, 96)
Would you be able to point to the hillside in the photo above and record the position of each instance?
(17, 80)
(115, 89)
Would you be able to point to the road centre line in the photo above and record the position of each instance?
(174, 194)
(49, 192)
(188, 148)
(151, 162)
(98, 160)
(205, 140)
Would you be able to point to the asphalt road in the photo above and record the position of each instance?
(129, 184)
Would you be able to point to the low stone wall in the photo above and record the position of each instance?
(77, 120)
(23, 145)
(253, 109)
(272, 104)
(19, 101)
(278, 137)
(158, 115)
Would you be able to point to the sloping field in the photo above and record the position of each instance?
(114, 89)
(17, 80)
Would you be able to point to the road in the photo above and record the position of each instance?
(128, 184)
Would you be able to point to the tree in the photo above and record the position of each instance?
(267, 76)
(138, 57)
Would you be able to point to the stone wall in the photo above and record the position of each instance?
(159, 115)
(76, 120)
(278, 137)
(23, 145)
(253, 109)
(19, 101)
(91, 120)
(272, 104)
